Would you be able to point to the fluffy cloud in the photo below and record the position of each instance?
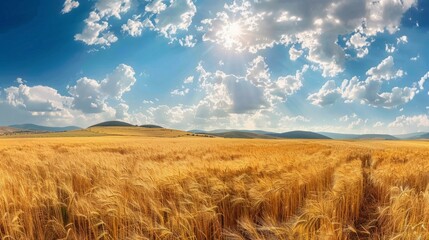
(167, 18)
(69, 5)
(294, 53)
(256, 25)
(96, 31)
(410, 123)
(90, 95)
(327, 95)
(45, 105)
(37, 99)
(360, 43)
(385, 70)
(227, 93)
(368, 91)
(134, 27)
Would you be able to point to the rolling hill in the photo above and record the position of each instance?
(300, 135)
(150, 126)
(137, 131)
(239, 134)
(113, 124)
(39, 128)
(376, 136)
(7, 130)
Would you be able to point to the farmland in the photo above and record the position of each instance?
(185, 187)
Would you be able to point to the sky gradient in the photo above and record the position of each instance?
(357, 66)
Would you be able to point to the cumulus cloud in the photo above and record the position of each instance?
(231, 94)
(256, 25)
(69, 5)
(367, 91)
(90, 95)
(96, 32)
(385, 70)
(134, 27)
(45, 105)
(360, 43)
(327, 95)
(410, 123)
(37, 99)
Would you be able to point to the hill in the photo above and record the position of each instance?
(137, 131)
(113, 124)
(7, 130)
(376, 136)
(150, 126)
(39, 128)
(420, 136)
(239, 134)
(300, 135)
(339, 135)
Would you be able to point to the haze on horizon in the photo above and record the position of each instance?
(351, 66)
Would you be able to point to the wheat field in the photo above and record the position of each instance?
(210, 188)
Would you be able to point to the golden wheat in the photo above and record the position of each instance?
(202, 188)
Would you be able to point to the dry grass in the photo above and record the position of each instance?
(200, 188)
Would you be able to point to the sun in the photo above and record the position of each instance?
(231, 35)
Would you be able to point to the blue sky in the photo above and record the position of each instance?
(341, 65)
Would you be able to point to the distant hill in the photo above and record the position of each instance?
(113, 124)
(230, 130)
(239, 134)
(6, 130)
(39, 128)
(300, 135)
(376, 136)
(150, 126)
(418, 135)
(339, 135)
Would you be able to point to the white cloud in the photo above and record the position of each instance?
(402, 40)
(169, 20)
(294, 54)
(390, 48)
(189, 80)
(134, 27)
(256, 25)
(415, 58)
(121, 112)
(37, 99)
(368, 91)
(227, 94)
(378, 124)
(327, 95)
(414, 123)
(69, 5)
(180, 92)
(385, 70)
(423, 80)
(95, 32)
(90, 95)
(188, 41)
(360, 43)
